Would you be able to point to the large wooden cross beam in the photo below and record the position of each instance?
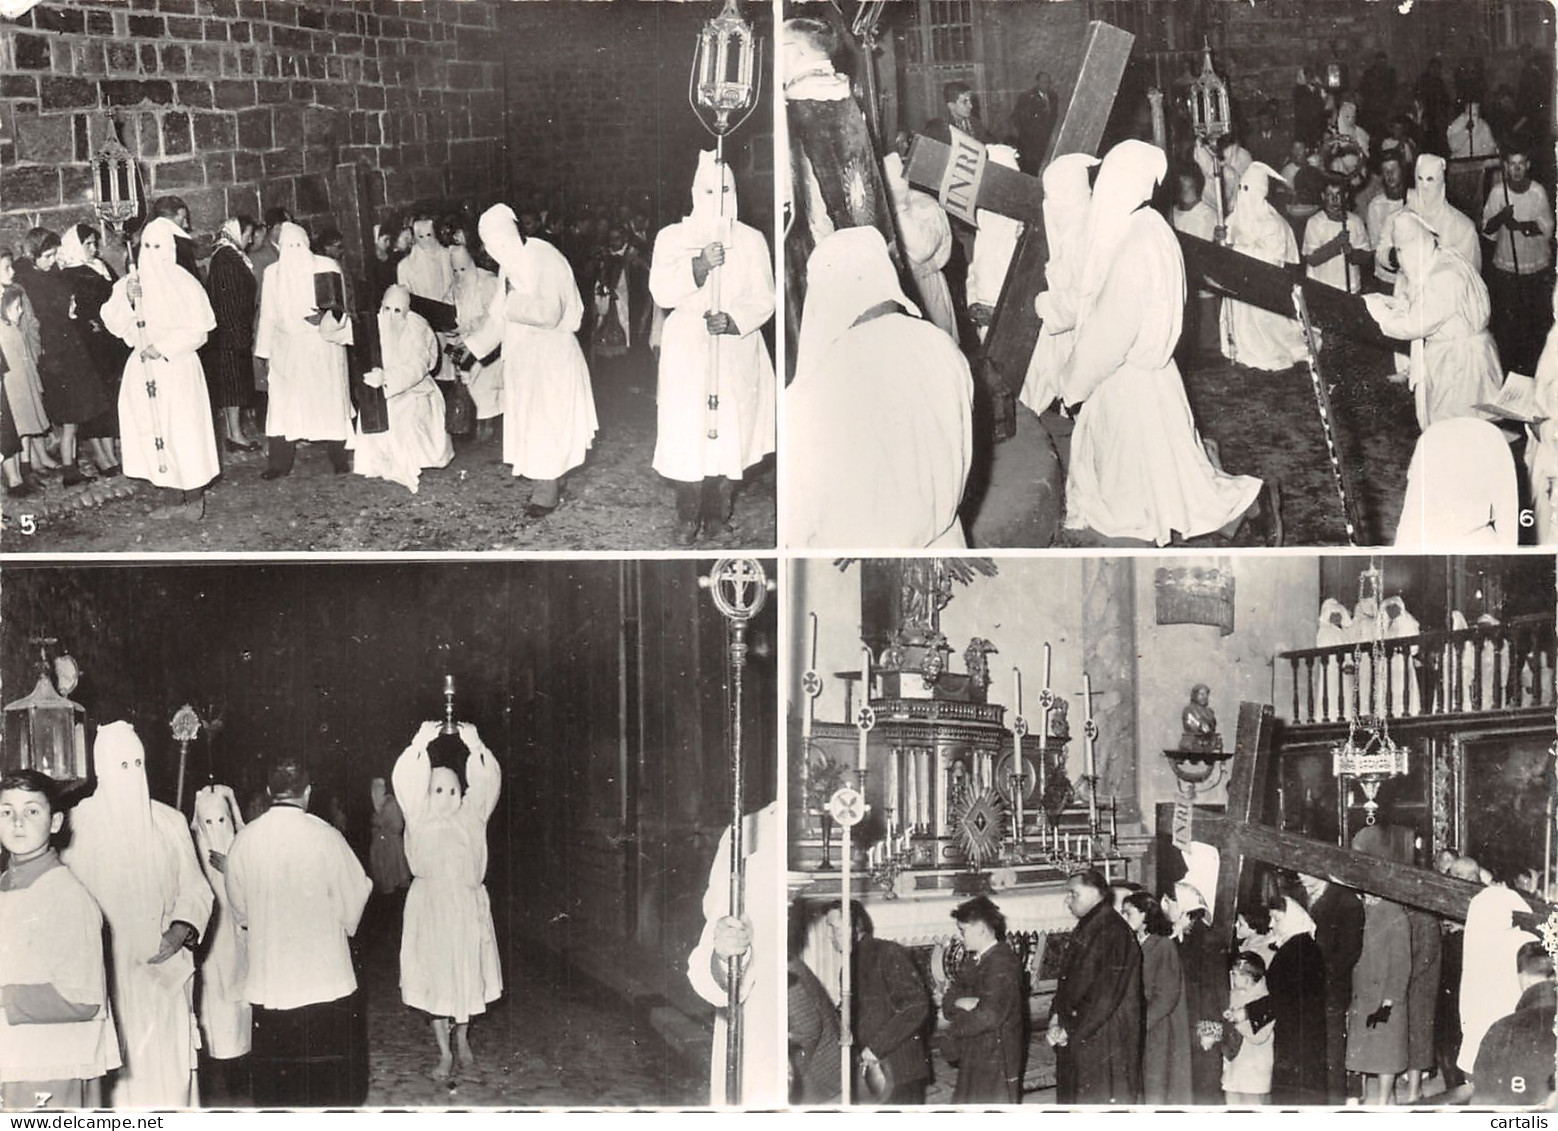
(1242, 839)
(1014, 328)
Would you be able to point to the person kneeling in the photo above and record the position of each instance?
(416, 437)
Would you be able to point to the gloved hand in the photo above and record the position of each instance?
(1379, 1016)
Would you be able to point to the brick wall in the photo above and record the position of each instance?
(239, 105)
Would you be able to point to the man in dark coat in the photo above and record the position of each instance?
(1338, 916)
(889, 1008)
(1515, 1060)
(1033, 120)
(1095, 1022)
(984, 1007)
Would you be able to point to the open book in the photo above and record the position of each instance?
(1515, 401)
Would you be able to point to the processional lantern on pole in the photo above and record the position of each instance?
(739, 588)
(115, 183)
(1211, 117)
(723, 91)
(44, 731)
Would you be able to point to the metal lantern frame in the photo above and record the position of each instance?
(1211, 117)
(29, 724)
(115, 183)
(1369, 755)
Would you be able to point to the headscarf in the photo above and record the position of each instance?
(231, 234)
(1296, 921)
(1126, 178)
(1188, 900)
(170, 295)
(1254, 220)
(73, 253)
(711, 218)
(848, 273)
(1490, 983)
(292, 276)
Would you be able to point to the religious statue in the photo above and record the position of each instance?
(925, 591)
(1200, 723)
(976, 659)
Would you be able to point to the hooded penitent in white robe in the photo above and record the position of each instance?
(745, 381)
(474, 289)
(1490, 985)
(1461, 489)
(762, 1015)
(1335, 629)
(164, 400)
(416, 437)
(309, 397)
(1138, 469)
(1542, 442)
(548, 409)
(925, 236)
(225, 1015)
(1453, 227)
(427, 272)
(51, 934)
(1441, 307)
(1261, 339)
(1405, 696)
(880, 414)
(995, 242)
(136, 858)
(1067, 194)
(448, 948)
(1347, 127)
(1469, 135)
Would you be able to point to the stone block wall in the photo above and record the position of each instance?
(240, 105)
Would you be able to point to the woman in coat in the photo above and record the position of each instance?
(91, 282)
(1377, 1018)
(1295, 984)
(1205, 963)
(1165, 1062)
(229, 355)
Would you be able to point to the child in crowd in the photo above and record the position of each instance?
(1247, 1045)
(57, 1036)
(27, 423)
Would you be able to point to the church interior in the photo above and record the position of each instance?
(352, 116)
(605, 691)
(1408, 69)
(1092, 667)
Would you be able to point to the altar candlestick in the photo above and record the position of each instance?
(1018, 775)
(1114, 818)
(865, 701)
(1090, 766)
(892, 792)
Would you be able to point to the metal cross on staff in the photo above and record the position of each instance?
(739, 588)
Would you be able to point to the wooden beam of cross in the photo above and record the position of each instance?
(1242, 839)
(1014, 327)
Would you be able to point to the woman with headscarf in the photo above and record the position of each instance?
(1490, 983)
(449, 965)
(91, 283)
(72, 391)
(1067, 194)
(225, 1015)
(1427, 198)
(306, 349)
(474, 289)
(1347, 127)
(1441, 307)
(1138, 469)
(880, 412)
(1258, 338)
(136, 857)
(165, 430)
(387, 851)
(229, 355)
(416, 437)
(26, 419)
(711, 251)
(1205, 964)
(549, 410)
(1295, 984)
(925, 235)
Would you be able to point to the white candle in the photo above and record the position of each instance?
(892, 791)
(865, 701)
(1089, 767)
(1016, 692)
(1044, 722)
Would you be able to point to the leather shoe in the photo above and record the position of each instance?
(534, 511)
(687, 532)
(235, 447)
(273, 473)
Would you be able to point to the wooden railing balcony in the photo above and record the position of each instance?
(1485, 669)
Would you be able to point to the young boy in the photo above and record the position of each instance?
(1194, 216)
(57, 1037)
(1246, 1048)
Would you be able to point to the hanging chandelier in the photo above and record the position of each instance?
(1369, 755)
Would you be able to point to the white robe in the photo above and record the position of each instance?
(746, 425)
(1263, 339)
(51, 933)
(1335, 629)
(1490, 986)
(474, 289)
(1379, 215)
(225, 1017)
(1461, 489)
(1542, 447)
(1405, 696)
(548, 409)
(449, 963)
(1470, 139)
(925, 236)
(1138, 469)
(762, 1016)
(1067, 194)
(136, 858)
(180, 412)
(1338, 271)
(309, 384)
(417, 436)
(1454, 363)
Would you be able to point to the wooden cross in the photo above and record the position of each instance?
(1014, 328)
(1242, 838)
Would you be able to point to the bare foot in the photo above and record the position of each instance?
(444, 1069)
